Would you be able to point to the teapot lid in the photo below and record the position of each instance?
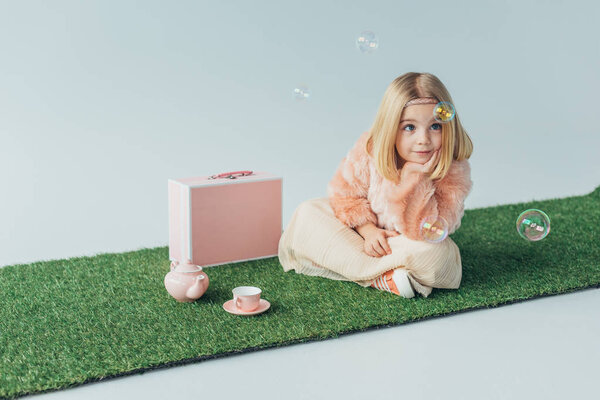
(187, 266)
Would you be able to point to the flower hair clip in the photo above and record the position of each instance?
(442, 112)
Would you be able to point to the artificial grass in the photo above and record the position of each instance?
(67, 322)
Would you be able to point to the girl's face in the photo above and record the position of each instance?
(419, 134)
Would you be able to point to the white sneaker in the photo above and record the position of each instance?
(400, 277)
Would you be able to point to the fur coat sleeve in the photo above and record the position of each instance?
(349, 187)
(419, 197)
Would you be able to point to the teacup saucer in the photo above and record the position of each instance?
(263, 306)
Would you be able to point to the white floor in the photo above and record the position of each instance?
(546, 348)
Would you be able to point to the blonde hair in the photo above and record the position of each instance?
(456, 144)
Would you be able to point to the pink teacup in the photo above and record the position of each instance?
(246, 298)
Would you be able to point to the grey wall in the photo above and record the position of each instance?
(102, 101)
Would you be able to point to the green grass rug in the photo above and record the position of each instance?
(68, 322)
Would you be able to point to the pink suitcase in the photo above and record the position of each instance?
(230, 217)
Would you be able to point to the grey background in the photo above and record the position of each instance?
(102, 101)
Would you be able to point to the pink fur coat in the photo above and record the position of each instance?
(359, 194)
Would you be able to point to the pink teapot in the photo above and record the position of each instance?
(186, 282)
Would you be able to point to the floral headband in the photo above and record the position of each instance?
(422, 100)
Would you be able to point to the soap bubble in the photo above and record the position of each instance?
(443, 111)
(302, 92)
(367, 42)
(533, 225)
(434, 230)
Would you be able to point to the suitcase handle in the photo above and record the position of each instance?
(231, 175)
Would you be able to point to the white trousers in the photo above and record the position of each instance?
(316, 243)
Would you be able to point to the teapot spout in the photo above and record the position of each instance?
(197, 289)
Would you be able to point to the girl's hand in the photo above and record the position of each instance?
(376, 244)
(410, 167)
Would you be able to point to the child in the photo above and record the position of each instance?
(407, 167)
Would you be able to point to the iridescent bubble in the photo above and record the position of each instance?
(443, 111)
(367, 42)
(434, 230)
(533, 225)
(302, 92)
